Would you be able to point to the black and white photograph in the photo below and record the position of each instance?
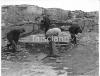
(50, 37)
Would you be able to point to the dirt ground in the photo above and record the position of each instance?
(81, 60)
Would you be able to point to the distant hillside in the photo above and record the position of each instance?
(28, 13)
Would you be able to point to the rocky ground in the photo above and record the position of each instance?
(81, 60)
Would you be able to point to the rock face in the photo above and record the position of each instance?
(27, 15)
(30, 12)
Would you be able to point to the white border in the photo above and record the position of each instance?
(44, 3)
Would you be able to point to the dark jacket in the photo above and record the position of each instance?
(45, 23)
(75, 29)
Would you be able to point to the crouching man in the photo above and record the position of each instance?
(74, 30)
(13, 37)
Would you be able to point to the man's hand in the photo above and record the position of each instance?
(78, 36)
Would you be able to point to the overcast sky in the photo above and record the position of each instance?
(85, 5)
